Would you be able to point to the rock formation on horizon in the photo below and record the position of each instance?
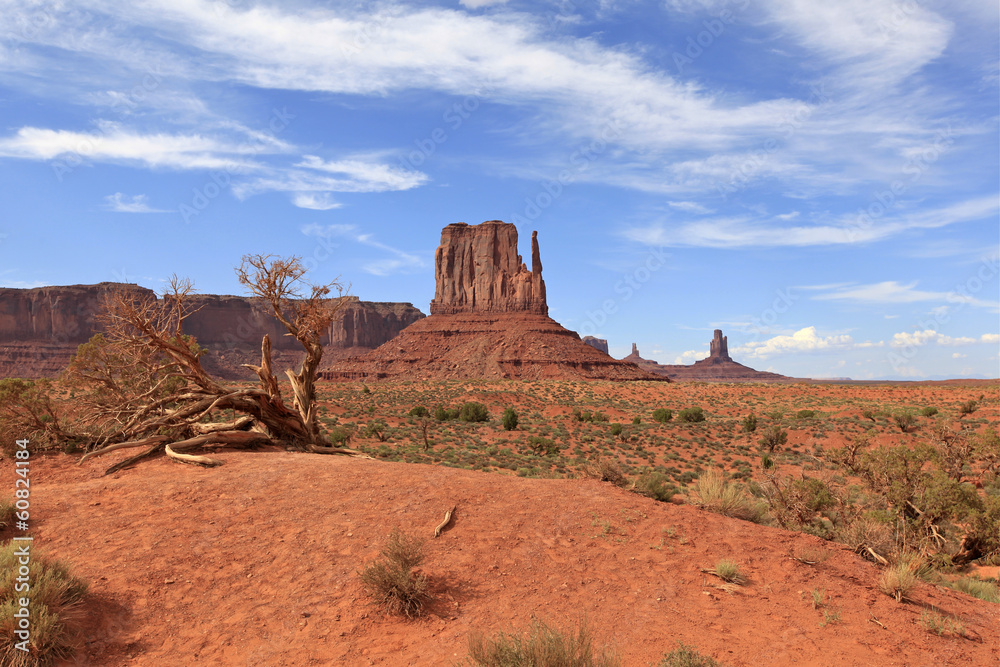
(40, 329)
(597, 343)
(718, 366)
(489, 319)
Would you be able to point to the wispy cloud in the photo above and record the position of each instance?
(317, 201)
(931, 337)
(121, 203)
(891, 291)
(399, 262)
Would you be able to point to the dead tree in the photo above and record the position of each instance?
(147, 387)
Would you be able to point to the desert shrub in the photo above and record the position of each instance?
(539, 646)
(662, 415)
(968, 407)
(750, 423)
(474, 412)
(598, 416)
(654, 485)
(443, 414)
(542, 446)
(905, 421)
(617, 429)
(869, 531)
(377, 429)
(805, 414)
(977, 588)
(932, 621)
(717, 495)
(607, 470)
(687, 656)
(694, 414)
(637, 420)
(391, 580)
(929, 412)
(27, 411)
(509, 419)
(729, 571)
(54, 609)
(801, 504)
(340, 436)
(899, 580)
(773, 437)
(868, 414)
(419, 411)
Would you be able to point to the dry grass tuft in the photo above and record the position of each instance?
(392, 581)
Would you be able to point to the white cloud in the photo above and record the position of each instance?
(690, 356)
(958, 355)
(745, 231)
(400, 262)
(891, 291)
(929, 336)
(478, 4)
(803, 340)
(121, 203)
(689, 207)
(314, 176)
(317, 201)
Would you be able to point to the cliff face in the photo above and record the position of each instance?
(477, 270)
(41, 328)
(597, 343)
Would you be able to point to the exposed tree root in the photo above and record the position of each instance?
(192, 458)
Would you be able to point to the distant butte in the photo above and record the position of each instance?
(489, 319)
(717, 367)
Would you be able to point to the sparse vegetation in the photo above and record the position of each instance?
(929, 412)
(932, 621)
(905, 421)
(54, 610)
(899, 580)
(716, 494)
(691, 415)
(773, 437)
(392, 581)
(729, 572)
(968, 407)
(750, 423)
(687, 656)
(540, 646)
(7, 509)
(662, 415)
(474, 412)
(654, 485)
(419, 411)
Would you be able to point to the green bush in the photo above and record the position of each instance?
(509, 419)
(420, 411)
(968, 407)
(805, 414)
(340, 436)
(443, 414)
(905, 421)
(662, 415)
(773, 437)
(929, 412)
(694, 414)
(542, 446)
(637, 420)
(54, 609)
(540, 646)
(474, 412)
(654, 485)
(377, 429)
(392, 581)
(750, 423)
(617, 429)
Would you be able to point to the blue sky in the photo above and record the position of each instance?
(817, 179)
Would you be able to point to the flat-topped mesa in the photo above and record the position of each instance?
(477, 270)
(719, 347)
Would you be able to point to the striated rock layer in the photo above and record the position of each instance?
(717, 367)
(489, 319)
(41, 328)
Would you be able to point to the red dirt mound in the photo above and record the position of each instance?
(255, 563)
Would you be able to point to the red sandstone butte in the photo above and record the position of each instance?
(489, 319)
(717, 367)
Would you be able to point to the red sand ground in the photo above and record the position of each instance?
(255, 562)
